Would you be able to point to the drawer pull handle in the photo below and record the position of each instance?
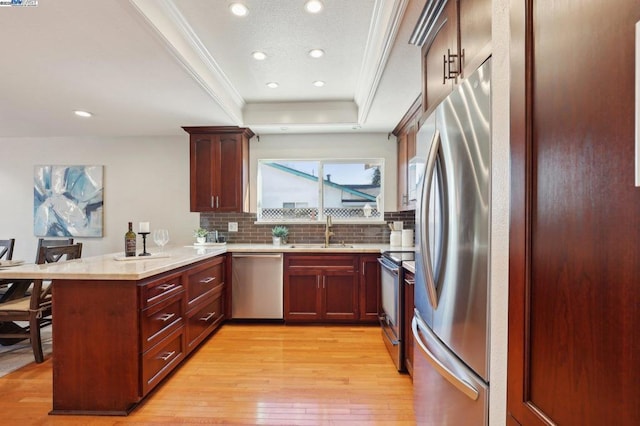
(208, 316)
(167, 286)
(166, 355)
(410, 282)
(207, 280)
(166, 317)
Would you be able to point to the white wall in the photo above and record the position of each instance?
(500, 188)
(145, 179)
(331, 145)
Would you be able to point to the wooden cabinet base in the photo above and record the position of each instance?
(96, 349)
(115, 341)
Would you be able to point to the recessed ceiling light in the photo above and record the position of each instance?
(80, 113)
(259, 56)
(318, 83)
(272, 85)
(316, 53)
(313, 6)
(239, 9)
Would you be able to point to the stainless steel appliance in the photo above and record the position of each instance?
(392, 303)
(256, 286)
(451, 319)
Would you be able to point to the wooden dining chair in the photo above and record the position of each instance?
(6, 252)
(36, 308)
(52, 242)
(6, 248)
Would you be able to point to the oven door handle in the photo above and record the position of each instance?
(390, 338)
(393, 269)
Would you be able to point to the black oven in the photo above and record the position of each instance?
(392, 303)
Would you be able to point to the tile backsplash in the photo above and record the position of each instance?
(250, 232)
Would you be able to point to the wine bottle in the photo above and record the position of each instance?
(130, 242)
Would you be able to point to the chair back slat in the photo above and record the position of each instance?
(52, 242)
(52, 254)
(6, 248)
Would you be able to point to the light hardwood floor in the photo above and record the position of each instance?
(250, 374)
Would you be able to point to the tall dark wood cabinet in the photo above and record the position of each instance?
(219, 167)
(574, 299)
(439, 58)
(458, 42)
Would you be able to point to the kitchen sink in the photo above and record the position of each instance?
(321, 246)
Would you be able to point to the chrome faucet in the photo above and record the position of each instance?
(327, 231)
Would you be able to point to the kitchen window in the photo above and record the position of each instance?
(292, 190)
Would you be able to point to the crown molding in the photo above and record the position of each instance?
(385, 24)
(182, 42)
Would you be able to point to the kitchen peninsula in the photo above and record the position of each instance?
(121, 326)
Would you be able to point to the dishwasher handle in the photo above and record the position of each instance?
(268, 256)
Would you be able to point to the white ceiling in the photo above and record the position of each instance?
(148, 67)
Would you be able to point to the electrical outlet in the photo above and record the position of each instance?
(233, 226)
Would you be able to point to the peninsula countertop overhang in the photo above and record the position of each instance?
(106, 267)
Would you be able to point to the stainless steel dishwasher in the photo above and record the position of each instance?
(256, 286)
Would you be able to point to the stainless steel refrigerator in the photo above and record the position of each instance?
(451, 316)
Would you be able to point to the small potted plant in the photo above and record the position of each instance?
(280, 234)
(201, 235)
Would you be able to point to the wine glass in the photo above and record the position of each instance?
(160, 237)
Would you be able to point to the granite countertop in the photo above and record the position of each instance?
(409, 265)
(106, 267)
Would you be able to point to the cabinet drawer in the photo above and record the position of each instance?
(161, 359)
(324, 262)
(202, 280)
(161, 319)
(203, 320)
(158, 290)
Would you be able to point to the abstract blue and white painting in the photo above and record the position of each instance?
(67, 201)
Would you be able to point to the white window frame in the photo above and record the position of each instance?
(378, 205)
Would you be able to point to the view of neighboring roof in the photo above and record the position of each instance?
(347, 188)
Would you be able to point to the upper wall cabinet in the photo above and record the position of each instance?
(405, 133)
(219, 166)
(455, 36)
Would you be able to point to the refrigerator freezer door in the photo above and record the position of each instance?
(447, 393)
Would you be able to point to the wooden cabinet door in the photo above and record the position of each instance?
(340, 295)
(369, 288)
(406, 132)
(202, 172)
(407, 338)
(403, 167)
(302, 295)
(474, 19)
(574, 250)
(228, 179)
(435, 52)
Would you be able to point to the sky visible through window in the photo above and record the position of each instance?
(343, 173)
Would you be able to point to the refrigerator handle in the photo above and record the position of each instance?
(424, 238)
(463, 386)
